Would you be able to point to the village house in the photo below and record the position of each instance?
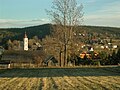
(17, 58)
(28, 59)
(50, 61)
(88, 55)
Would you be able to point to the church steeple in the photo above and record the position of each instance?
(25, 42)
(25, 36)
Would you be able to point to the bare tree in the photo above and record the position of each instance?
(66, 15)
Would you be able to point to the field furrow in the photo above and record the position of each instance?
(15, 84)
(97, 83)
(107, 82)
(59, 82)
(87, 84)
(77, 84)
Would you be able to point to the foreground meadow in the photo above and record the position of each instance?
(104, 78)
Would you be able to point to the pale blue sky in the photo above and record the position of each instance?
(21, 13)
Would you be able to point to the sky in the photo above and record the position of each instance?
(23, 13)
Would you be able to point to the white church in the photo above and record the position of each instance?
(25, 42)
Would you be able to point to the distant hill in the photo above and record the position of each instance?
(42, 30)
(100, 29)
(18, 33)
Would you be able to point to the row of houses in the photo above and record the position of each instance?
(88, 55)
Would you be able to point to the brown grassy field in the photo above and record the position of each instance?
(104, 78)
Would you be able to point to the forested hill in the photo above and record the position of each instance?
(42, 30)
(18, 33)
(100, 29)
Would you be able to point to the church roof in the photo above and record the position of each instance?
(50, 57)
(25, 36)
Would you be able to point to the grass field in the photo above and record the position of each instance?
(104, 78)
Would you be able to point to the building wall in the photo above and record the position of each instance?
(25, 44)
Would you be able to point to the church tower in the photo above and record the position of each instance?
(25, 42)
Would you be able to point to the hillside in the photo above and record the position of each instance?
(42, 30)
(104, 29)
(18, 33)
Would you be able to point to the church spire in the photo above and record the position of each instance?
(25, 35)
(25, 42)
